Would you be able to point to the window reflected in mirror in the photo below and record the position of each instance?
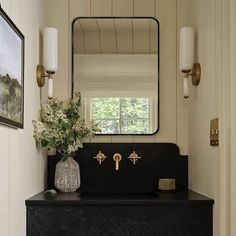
(122, 115)
(115, 68)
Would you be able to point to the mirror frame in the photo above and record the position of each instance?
(158, 63)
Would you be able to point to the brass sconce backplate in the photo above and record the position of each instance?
(40, 75)
(196, 74)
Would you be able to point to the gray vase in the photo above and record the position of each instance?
(67, 175)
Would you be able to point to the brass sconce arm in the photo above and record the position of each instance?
(195, 73)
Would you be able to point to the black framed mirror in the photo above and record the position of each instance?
(115, 67)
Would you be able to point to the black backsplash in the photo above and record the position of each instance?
(159, 160)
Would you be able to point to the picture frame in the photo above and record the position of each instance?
(11, 73)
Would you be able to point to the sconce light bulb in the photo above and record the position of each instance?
(50, 88)
(50, 49)
(186, 86)
(186, 48)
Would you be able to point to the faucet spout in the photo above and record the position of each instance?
(117, 158)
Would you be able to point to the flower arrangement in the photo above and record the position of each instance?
(61, 127)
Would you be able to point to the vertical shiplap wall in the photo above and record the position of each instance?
(21, 165)
(62, 12)
(232, 14)
(212, 169)
(232, 5)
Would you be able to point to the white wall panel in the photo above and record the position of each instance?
(21, 166)
(166, 14)
(101, 7)
(144, 8)
(79, 8)
(122, 7)
(209, 166)
(233, 116)
(4, 176)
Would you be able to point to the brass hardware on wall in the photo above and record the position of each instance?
(41, 75)
(195, 73)
(100, 157)
(117, 158)
(134, 157)
(214, 132)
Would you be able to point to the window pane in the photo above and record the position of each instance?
(105, 108)
(108, 126)
(134, 108)
(135, 127)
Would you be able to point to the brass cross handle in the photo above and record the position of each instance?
(100, 157)
(134, 157)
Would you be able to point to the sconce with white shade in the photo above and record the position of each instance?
(186, 59)
(50, 59)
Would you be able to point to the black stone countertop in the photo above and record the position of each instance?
(163, 198)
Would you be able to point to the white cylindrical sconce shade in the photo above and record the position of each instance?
(50, 49)
(50, 87)
(186, 49)
(186, 87)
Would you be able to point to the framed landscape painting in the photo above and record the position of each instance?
(11, 73)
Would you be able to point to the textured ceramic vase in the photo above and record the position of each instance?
(67, 175)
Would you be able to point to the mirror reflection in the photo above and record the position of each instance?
(115, 68)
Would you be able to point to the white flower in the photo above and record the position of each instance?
(39, 129)
(60, 117)
(60, 126)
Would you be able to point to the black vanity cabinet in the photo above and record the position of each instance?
(170, 214)
(123, 203)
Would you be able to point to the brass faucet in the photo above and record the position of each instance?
(117, 158)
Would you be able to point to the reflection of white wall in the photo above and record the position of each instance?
(116, 75)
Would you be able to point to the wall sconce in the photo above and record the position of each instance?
(50, 59)
(186, 59)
